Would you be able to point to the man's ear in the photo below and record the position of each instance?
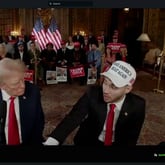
(128, 88)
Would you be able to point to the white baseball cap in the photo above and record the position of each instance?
(120, 73)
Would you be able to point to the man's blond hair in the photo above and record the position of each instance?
(8, 65)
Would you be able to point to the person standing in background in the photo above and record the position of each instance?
(8, 45)
(35, 63)
(21, 53)
(78, 38)
(3, 52)
(48, 59)
(94, 59)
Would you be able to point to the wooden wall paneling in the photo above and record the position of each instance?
(6, 21)
(22, 19)
(74, 19)
(88, 20)
(29, 21)
(93, 20)
(15, 22)
(81, 20)
(102, 20)
(26, 20)
(70, 20)
(133, 22)
(145, 20)
(153, 24)
(122, 23)
(62, 19)
(161, 29)
(107, 20)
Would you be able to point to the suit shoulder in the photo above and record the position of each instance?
(94, 91)
(94, 88)
(31, 85)
(136, 97)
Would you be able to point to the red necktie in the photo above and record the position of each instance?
(109, 126)
(13, 133)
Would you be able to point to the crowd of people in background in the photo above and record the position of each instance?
(95, 52)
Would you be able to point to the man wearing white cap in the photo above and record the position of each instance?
(91, 112)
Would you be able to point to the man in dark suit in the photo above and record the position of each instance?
(63, 55)
(27, 103)
(78, 38)
(94, 59)
(91, 111)
(21, 53)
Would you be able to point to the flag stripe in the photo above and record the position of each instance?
(58, 38)
(51, 39)
(59, 35)
(54, 34)
(39, 33)
(51, 35)
(37, 36)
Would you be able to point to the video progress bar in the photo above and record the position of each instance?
(70, 3)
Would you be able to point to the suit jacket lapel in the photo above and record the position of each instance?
(22, 100)
(103, 111)
(125, 111)
(23, 115)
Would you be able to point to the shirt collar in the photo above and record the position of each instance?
(5, 95)
(119, 103)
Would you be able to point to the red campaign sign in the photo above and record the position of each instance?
(77, 72)
(29, 75)
(115, 47)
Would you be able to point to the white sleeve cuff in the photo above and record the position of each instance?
(51, 141)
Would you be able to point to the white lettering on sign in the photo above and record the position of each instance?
(28, 75)
(77, 71)
(115, 47)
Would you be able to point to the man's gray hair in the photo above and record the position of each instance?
(8, 65)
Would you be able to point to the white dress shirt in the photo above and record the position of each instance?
(6, 98)
(117, 112)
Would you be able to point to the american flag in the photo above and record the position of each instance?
(39, 33)
(53, 34)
